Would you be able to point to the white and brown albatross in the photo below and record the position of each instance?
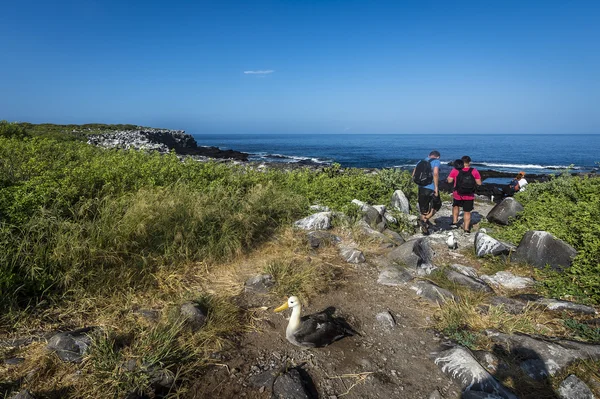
(315, 330)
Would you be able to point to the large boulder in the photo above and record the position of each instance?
(316, 221)
(540, 248)
(541, 358)
(400, 202)
(504, 211)
(70, 346)
(460, 365)
(486, 245)
(416, 254)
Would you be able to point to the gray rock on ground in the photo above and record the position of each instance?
(259, 284)
(557, 304)
(510, 305)
(369, 232)
(573, 388)
(394, 276)
(316, 221)
(416, 254)
(466, 270)
(473, 284)
(319, 238)
(504, 211)
(194, 315)
(400, 202)
(352, 255)
(290, 386)
(543, 358)
(369, 213)
(507, 280)
(432, 292)
(459, 364)
(70, 346)
(486, 245)
(540, 248)
(395, 237)
(386, 319)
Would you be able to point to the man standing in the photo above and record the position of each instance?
(465, 181)
(426, 175)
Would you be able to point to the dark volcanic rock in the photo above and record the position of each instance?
(70, 346)
(416, 254)
(540, 248)
(290, 386)
(503, 212)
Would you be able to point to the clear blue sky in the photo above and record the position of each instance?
(320, 66)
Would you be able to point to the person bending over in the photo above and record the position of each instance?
(465, 182)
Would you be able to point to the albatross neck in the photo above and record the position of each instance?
(294, 322)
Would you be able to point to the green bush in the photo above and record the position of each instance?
(567, 207)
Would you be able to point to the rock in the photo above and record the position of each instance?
(366, 230)
(510, 305)
(370, 214)
(488, 360)
(394, 276)
(13, 361)
(352, 255)
(466, 270)
(194, 315)
(435, 395)
(540, 248)
(508, 280)
(149, 314)
(400, 202)
(543, 358)
(264, 379)
(573, 388)
(319, 238)
(23, 394)
(386, 319)
(316, 221)
(260, 284)
(290, 386)
(557, 305)
(459, 364)
(473, 284)
(395, 237)
(504, 211)
(161, 378)
(70, 346)
(486, 245)
(319, 208)
(416, 254)
(389, 219)
(432, 292)
(381, 209)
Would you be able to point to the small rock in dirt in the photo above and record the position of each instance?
(352, 255)
(573, 388)
(386, 319)
(290, 386)
(194, 315)
(70, 346)
(259, 284)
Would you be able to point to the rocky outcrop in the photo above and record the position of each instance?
(541, 358)
(557, 304)
(507, 280)
(163, 141)
(459, 364)
(503, 212)
(540, 248)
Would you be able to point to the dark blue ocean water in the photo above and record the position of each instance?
(540, 154)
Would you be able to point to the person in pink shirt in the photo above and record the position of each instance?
(465, 182)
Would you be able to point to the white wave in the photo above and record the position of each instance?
(521, 166)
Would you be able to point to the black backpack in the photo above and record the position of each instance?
(423, 173)
(465, 182)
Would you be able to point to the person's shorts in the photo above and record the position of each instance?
(466, 205)
(427, 200)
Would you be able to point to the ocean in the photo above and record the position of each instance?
(532, 153)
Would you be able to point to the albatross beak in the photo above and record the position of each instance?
(282, 307)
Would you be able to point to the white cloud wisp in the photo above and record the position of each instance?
(259, 72)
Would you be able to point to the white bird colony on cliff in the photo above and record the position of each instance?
(315, 330)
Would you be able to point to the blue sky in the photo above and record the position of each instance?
(327, 66)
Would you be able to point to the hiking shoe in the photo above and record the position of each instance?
(467, 231)
(454, 225)
(424, 228)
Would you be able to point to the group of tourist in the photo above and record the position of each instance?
(465, 179)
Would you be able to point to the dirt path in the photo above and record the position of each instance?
(383, 362)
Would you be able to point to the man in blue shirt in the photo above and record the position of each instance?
(429, 196)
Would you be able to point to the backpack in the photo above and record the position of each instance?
(465, 182)
(423, 173)
(512, 186)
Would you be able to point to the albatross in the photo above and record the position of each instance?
(315, 330)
